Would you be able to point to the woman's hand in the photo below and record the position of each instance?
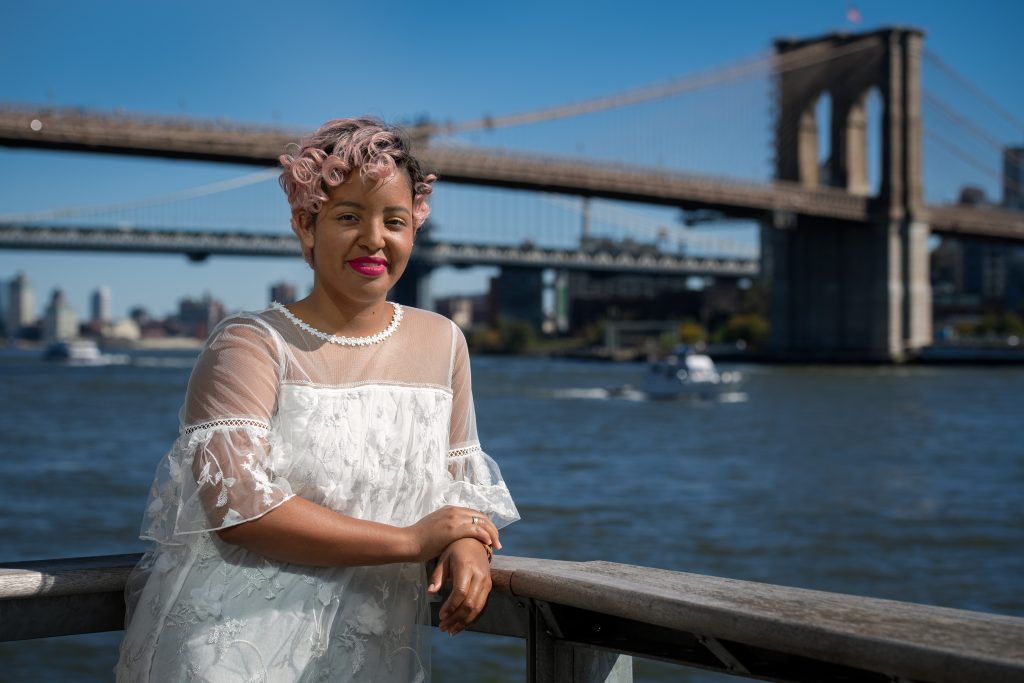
(465, 563)
(438, 530)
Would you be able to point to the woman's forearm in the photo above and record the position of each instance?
(302, 532)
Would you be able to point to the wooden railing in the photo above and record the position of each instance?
(583, 620)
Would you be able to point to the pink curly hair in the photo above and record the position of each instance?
(337, 148)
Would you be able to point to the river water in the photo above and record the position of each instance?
(892, 482)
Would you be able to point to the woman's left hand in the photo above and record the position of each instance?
(465, 563)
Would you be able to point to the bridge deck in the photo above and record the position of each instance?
(77, 130)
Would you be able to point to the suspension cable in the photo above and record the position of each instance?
(638, 222)
(972, 88)
(181, 195)
(962, 120)
(789, 61)
(967, 157)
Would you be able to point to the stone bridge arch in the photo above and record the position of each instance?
(841, 290)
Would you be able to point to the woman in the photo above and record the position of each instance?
(327, 450)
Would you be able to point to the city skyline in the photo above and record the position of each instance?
(51, 312)
(100, 299)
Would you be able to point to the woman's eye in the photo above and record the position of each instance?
(346, 217)
(396, 223)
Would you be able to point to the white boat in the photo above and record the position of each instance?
(687, 374)
(81, 352)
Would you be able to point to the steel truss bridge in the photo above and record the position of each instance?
(197, 245)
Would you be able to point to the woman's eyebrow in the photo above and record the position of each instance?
(356, 205)
(348, 203)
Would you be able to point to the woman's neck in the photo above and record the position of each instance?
(341, 316)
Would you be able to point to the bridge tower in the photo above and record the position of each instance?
(841, 290)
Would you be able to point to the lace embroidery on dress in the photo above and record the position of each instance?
(396, 319)
(369, 383)
(464, 451)
(231, 422)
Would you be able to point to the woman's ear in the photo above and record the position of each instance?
(303, 224)
(304, 227)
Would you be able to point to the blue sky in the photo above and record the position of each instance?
(263, 63)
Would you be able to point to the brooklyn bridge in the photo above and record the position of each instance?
(845, 227)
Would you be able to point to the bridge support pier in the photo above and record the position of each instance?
(519, 294)
(413, 288)
(846, 292)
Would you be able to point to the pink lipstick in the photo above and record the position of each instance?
(370, 266)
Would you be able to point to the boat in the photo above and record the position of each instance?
(81, 352)
(685, 373)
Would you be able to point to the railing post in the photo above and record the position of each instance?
(553, 660)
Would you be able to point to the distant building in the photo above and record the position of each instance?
(1015, 281)
(1013, 177)
(21, 303)
(465, 311)
(972, 277)
(283, 292)
(985, 270)
(100, 306)
(140, 315)
(197, 317)
(149, 328)
(60, 320)
(947, 268)
(597, 296)
(972, 195)
(126, 329)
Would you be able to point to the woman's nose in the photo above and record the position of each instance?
(372, 235)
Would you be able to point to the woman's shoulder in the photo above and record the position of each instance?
(246, 328)
(255, 322)
(428, 321)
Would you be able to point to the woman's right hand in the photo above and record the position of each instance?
(436, 531)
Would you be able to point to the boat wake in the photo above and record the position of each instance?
(592, 394)
(157, 362)
(628, 393)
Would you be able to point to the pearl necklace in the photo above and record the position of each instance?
(345, 341)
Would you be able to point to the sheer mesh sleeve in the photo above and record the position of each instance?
(219, 472)
(475, 478)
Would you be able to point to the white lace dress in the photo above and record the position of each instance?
(383, 430)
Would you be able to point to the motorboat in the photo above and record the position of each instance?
(81, 352)
(685, 373)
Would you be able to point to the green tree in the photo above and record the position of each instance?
(1001, 324)
(749, 327)
(691, 333)
(511, 336)
(517, 335)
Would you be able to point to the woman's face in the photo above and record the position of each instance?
(362, 238)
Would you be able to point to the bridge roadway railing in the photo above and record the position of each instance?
(582, 622)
